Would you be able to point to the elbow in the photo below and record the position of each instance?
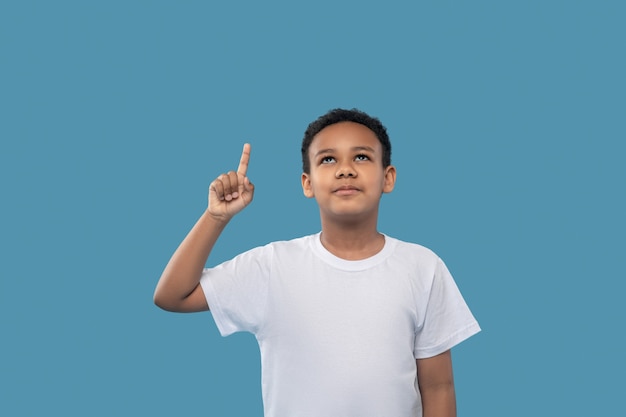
(167, 303)
(162, 302)
(158, 302)
(174, 302)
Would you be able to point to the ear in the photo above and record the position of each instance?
(306, 186)
(389, 179)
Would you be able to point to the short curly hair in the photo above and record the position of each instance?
(344, 115)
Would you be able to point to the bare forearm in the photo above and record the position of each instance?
(182, 273)
(436, 384)
(439, 401)
(178, 288)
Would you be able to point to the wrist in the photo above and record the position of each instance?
(219, 220)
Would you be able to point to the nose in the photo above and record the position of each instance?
(345, 171)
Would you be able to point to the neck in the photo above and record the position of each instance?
(352, 242)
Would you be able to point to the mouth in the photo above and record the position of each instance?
(346, 190)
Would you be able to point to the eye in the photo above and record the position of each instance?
(327, 160)
(361, 157)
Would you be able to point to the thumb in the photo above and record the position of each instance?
(247, 185)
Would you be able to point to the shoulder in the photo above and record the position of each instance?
(414, 259)
(300, 242)
(411, 250)
(263, 257)
(283, 247)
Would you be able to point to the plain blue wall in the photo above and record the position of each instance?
(507, 121)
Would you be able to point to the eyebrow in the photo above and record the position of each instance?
(355, 148)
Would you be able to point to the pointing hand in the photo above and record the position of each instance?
(231, 192)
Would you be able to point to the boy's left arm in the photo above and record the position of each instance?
(436, 385)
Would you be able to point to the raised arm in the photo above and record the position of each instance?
(179, 288)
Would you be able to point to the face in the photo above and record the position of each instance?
(347, 177)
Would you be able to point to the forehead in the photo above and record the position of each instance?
(345, 134)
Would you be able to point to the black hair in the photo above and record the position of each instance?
(344, 115)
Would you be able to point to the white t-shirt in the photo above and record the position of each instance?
(339, 338)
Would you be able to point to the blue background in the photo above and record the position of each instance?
(507, 121)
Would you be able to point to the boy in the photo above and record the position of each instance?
(350, 322)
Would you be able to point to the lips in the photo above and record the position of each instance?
(346, 190)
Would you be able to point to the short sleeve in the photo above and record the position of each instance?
(236, 291)
(447, 319)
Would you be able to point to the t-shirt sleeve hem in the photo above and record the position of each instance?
(223, 325)
(456, 338)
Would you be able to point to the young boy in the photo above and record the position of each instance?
(350, 322)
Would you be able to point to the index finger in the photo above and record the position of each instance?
(245, 158)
